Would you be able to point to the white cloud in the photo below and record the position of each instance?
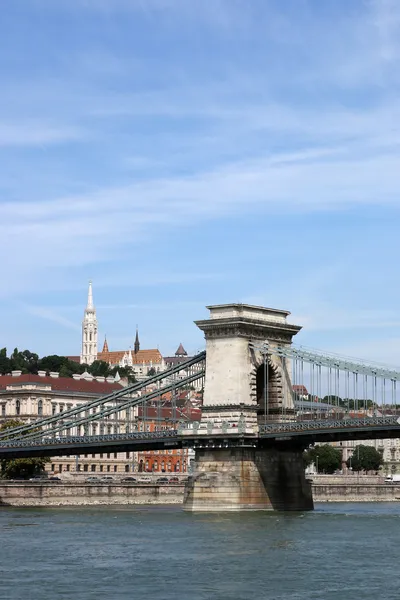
(50, 315)
(36, 133)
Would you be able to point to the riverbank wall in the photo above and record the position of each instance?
(325, 489)
(81, 494)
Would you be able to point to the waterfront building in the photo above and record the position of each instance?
(29, 398)
(164, 413)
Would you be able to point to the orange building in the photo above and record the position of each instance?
(165, 414)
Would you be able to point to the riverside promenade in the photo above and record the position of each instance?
(325, 488)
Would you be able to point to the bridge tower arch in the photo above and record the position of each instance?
(245, 386)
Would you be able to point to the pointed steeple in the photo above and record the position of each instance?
(136, 346)
(90, 305)
(89, 331)
(181, 351)
(105, 345)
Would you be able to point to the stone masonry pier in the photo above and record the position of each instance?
(244, 387)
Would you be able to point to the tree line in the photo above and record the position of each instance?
(328, 459)
(29, 362)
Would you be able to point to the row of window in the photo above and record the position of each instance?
(114, 468)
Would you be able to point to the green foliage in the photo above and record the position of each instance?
(99, 368)
(349, 403)
(124, 372)
(28, 362)
(326, 458)
(365, 458)
(20, 467)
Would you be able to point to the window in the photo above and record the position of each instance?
(78, 467)
(86, 455)
(60, 468)
(108, 455)
(53, 409)
(115, 468)
(101, 455)
(93, 456)
(115, 455)
(101, 468)
(3, 410)
(40, 408)
(18, 407)
(67, 467)
(53, 467)
(93, 468)
(61, 408)
(126, 468)
(108, 468)
(127, 455)
(85, 467)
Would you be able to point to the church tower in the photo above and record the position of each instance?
(136, 346)
(89, 331)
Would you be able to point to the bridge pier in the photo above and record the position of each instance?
(248, 478)
(242, 390)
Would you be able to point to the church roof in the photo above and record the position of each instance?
(181, 351)
(105, 346)
(142, 356)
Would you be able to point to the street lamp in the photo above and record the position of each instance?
(316, 462)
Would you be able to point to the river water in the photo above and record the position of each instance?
(337, 552)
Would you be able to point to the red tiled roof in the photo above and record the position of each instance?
(300, 389)
(62, 384)
(142, 356)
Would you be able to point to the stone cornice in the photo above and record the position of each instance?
(252, 329)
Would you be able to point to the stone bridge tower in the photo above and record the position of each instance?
(245, 386)
(240, 380)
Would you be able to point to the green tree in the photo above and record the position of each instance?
(60, 364)
(25, 361)
(326, 458)
(336, 400)
(124, 372)
(365, 458)
(20, 467)
(5, 362)
(99, 368)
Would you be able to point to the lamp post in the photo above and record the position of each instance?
(316, 463)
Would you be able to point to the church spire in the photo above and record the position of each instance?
(89, 331)
(90, 305)
(136, 346)
(105, 345)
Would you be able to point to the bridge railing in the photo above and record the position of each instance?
(89, 439)
(304, 426)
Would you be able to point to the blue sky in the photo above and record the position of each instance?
(183, 153)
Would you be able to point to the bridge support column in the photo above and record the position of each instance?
(248, 478)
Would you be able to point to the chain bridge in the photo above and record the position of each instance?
(264, 401)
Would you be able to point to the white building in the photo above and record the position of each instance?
(89, 331)
(32, 397)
